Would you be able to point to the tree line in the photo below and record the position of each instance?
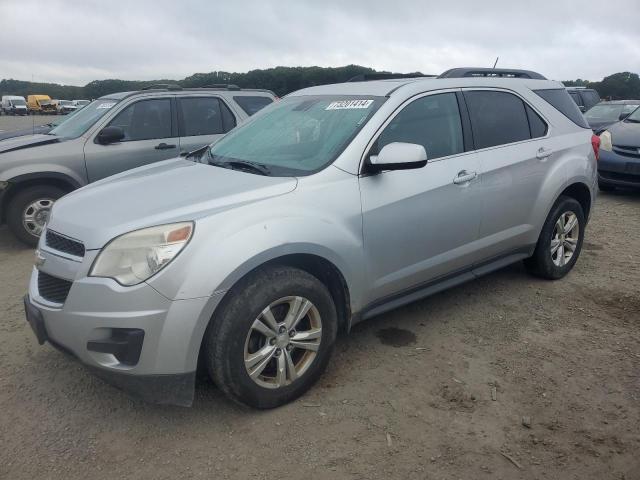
(281, 80)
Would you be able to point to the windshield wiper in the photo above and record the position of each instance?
(632, 120)
(244, 165)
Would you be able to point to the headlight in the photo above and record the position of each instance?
(134, 257)
(605, 141)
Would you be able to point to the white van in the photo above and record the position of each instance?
(14, 105)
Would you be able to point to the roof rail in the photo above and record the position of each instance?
(490, 72)
(368, 77)
(162, 86)
(222, 85)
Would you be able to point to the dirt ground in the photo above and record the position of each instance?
(441, 389)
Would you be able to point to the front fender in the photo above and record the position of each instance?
(213, 267)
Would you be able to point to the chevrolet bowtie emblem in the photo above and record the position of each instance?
(39, 259)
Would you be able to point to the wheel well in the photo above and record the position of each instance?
(582, 194)
(18, 186)
(328, 274)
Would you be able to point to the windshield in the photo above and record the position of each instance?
(82, 102)
(634, 117)
(65, 102)
(609, 113)
(18, 101)
(297, 135)
(80, 122)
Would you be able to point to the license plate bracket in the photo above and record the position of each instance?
(633, 167)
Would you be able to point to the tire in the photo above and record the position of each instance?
(603, 187)
(546, 264)
(230, 338)
(20, 202)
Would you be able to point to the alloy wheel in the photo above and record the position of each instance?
(283, 342)
(564, 239)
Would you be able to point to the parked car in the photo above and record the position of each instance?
(81, 103)
(35, 129)
(40, 104)
(14, 105)
(619, 164)
(333, 205)
(604, 114)
(115, 133)
(584, 97)
(64, 106)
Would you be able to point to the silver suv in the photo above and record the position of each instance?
(117, 132)
(331, 206)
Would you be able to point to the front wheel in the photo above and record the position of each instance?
(560, 241)
(272, 337)
(28, 212)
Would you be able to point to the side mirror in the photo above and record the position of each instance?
(399, 156)
(110, 135)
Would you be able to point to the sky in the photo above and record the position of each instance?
(75, 41)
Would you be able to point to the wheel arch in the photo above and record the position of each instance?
(320, 267)
(27, 180)
(581, 193)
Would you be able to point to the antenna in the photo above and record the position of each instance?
(496, 62)
(33, 118)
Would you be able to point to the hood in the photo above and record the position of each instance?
(170, 191)
(625, 133)
(18, 143)
(25, 131)
(597, 125)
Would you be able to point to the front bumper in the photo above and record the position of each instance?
(618, 170)
(94, 321)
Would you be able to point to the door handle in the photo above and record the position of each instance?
(464, 177)
(164, 146)
(543, 153)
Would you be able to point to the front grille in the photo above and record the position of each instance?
(632, 152)
(53, 289)
(64, 244)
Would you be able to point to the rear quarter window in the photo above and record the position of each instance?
(497, 118)
(559, 99)
(252, 104)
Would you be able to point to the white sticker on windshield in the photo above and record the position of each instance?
(349, 104)
(105, 105)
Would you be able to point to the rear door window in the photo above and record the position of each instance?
(432, 121)
(145, 120)
(497, 118)
(204, 116)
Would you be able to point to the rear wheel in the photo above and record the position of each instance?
(272, 338)
(29, 210)
(560, 241)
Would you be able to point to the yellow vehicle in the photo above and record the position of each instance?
(40, 104)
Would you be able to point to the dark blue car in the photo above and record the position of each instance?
(619, 164)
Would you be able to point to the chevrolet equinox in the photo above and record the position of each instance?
(333, 205)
